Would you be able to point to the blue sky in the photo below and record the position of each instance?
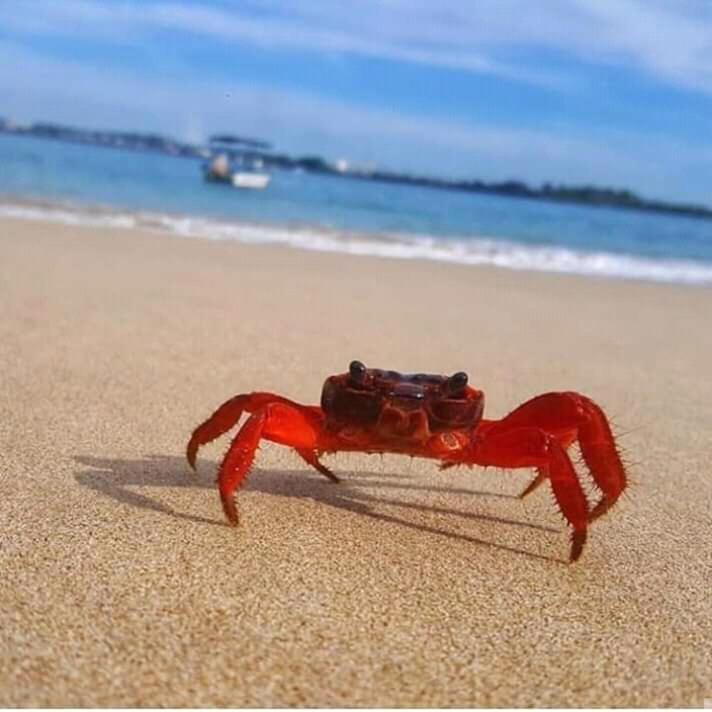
(611, 92)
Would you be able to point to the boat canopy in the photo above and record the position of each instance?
(230, 140)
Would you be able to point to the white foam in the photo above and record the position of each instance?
(471, 251)
(67, 215)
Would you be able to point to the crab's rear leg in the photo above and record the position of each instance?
(541, 476)
(285, 423)
(570, 416)
(312, 458)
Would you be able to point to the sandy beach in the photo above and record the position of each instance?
(401, 586)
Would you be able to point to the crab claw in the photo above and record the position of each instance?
(227, 416)
(224, 418)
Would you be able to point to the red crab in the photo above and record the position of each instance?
(440, 417)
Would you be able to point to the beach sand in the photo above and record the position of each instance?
(122, 585)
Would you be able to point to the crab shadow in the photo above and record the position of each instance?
(119, 478)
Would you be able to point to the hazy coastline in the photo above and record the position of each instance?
(590, 195)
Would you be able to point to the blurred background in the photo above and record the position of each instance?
(575, 138)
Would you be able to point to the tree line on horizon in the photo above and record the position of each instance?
(236, 146)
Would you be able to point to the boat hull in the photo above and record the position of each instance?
(252, 181)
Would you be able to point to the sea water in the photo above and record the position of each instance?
(42, 179)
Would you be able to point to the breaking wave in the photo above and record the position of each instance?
(479, 250)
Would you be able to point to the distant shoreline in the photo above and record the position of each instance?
(586, 195)
(574, 195)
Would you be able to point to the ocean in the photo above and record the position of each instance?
(42, 179)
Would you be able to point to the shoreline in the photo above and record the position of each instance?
(472, 251)
(401, 586)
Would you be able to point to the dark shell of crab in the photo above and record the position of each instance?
(363, 396)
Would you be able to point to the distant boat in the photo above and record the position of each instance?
(219, 169)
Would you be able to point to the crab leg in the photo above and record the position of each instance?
(282, 422)
(532, 447)
(224, 418)
(229, 413)
(569, 417)
(602, 458)
(311, 458)
(237, 462)
(541, 476)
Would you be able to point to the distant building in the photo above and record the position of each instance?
(364, 169)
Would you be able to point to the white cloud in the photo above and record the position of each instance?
(671, 41)
(311, 31)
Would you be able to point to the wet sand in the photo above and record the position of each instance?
(401, 586)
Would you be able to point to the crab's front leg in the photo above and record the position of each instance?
(537, 434)
(517, 447)
(286, 423)
(572, 417)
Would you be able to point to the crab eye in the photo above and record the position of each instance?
(357, 371)
(456, 383)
